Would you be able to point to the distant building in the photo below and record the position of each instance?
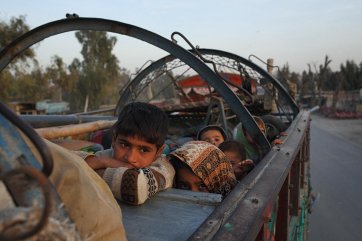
(51, 108)
(25, 108)
(45, 107)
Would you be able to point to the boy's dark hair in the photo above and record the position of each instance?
(235, 147)
(143, 120)
(211, 127)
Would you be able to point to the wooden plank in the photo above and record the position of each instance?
(76, 129)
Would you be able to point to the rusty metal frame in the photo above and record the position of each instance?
(159, 63)
(241, 215)
(127, 93)
(276, 83)
(73, 24)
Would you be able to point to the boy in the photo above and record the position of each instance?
(251, 147)
(212, 134)
(236, 154)
(202, 167)
(134, 168)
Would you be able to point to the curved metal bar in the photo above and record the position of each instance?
(195, 50)
(73, 24)
(33, 136)
(276, 83)
(249, 122)
(268, 65)
(126, 94)
(45, 188)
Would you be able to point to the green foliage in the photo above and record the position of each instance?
(30, 87)
(315, 80)
(307, 82)
(12, 30)
(6, 87)
(352, 75)
(99, 70)
(74, 75)
(284, 75)
(97, 76)
(9, 32)
(63, 81)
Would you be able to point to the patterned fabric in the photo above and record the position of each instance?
(209, 164)
(135, 186)
(132, 185)
(129, 185)
(152, 182)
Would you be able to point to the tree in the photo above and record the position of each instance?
(74, 75)
(283, 75)
(30, 87)
(9, 32)
(99, 67)
(322, 77)
(59, 76)
(352, 75)
(288, 79)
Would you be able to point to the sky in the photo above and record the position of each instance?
(296, 32)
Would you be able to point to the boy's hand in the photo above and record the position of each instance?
(277, 142)
(246, 162)
(242, 168)
(105, 162)
(247, 165)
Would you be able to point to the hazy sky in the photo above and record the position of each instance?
(294, 32)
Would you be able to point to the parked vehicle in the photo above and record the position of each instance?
(271, 202)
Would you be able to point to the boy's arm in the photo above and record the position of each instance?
(135, 186)
(101, 160)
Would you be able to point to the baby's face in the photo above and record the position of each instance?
(212, 136)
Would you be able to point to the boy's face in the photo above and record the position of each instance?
(135, 151)
(187, 180)
(212, 136)
(235, 162)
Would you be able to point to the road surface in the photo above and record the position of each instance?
(336, 170)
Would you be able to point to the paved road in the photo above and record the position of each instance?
(336, 169)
